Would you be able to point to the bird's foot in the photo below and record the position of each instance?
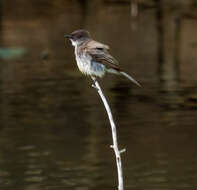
(94, 86)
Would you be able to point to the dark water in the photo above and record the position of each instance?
(54, 132)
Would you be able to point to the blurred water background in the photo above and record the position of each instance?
(54, 132)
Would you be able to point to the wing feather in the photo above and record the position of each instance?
(94, 44)
(99, 53)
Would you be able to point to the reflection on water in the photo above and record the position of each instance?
(54, 132)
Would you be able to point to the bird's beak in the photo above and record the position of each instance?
(67, 36)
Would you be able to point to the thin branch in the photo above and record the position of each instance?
(114, 135)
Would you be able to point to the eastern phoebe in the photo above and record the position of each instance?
(93, 57)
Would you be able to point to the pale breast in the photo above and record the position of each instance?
(88, 67)
(84, 65)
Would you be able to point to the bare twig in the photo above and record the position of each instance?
(114, 135)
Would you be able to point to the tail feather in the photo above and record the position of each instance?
(114, 71)
(130, 78)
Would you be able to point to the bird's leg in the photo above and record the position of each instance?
(94, 79)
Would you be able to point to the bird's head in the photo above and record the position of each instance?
(77, 37)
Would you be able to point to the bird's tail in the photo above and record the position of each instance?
(114, 71)
(130, 78)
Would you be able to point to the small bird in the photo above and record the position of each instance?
(93, 57)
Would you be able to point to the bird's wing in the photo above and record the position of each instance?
(94, 44)
(99, 53)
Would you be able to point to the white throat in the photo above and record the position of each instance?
(74, 43)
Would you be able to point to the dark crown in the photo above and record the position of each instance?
(80, 34)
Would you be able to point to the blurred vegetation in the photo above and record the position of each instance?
(12, 53)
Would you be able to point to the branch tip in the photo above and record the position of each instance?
(122, 151)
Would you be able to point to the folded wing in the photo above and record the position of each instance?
(99, 53)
